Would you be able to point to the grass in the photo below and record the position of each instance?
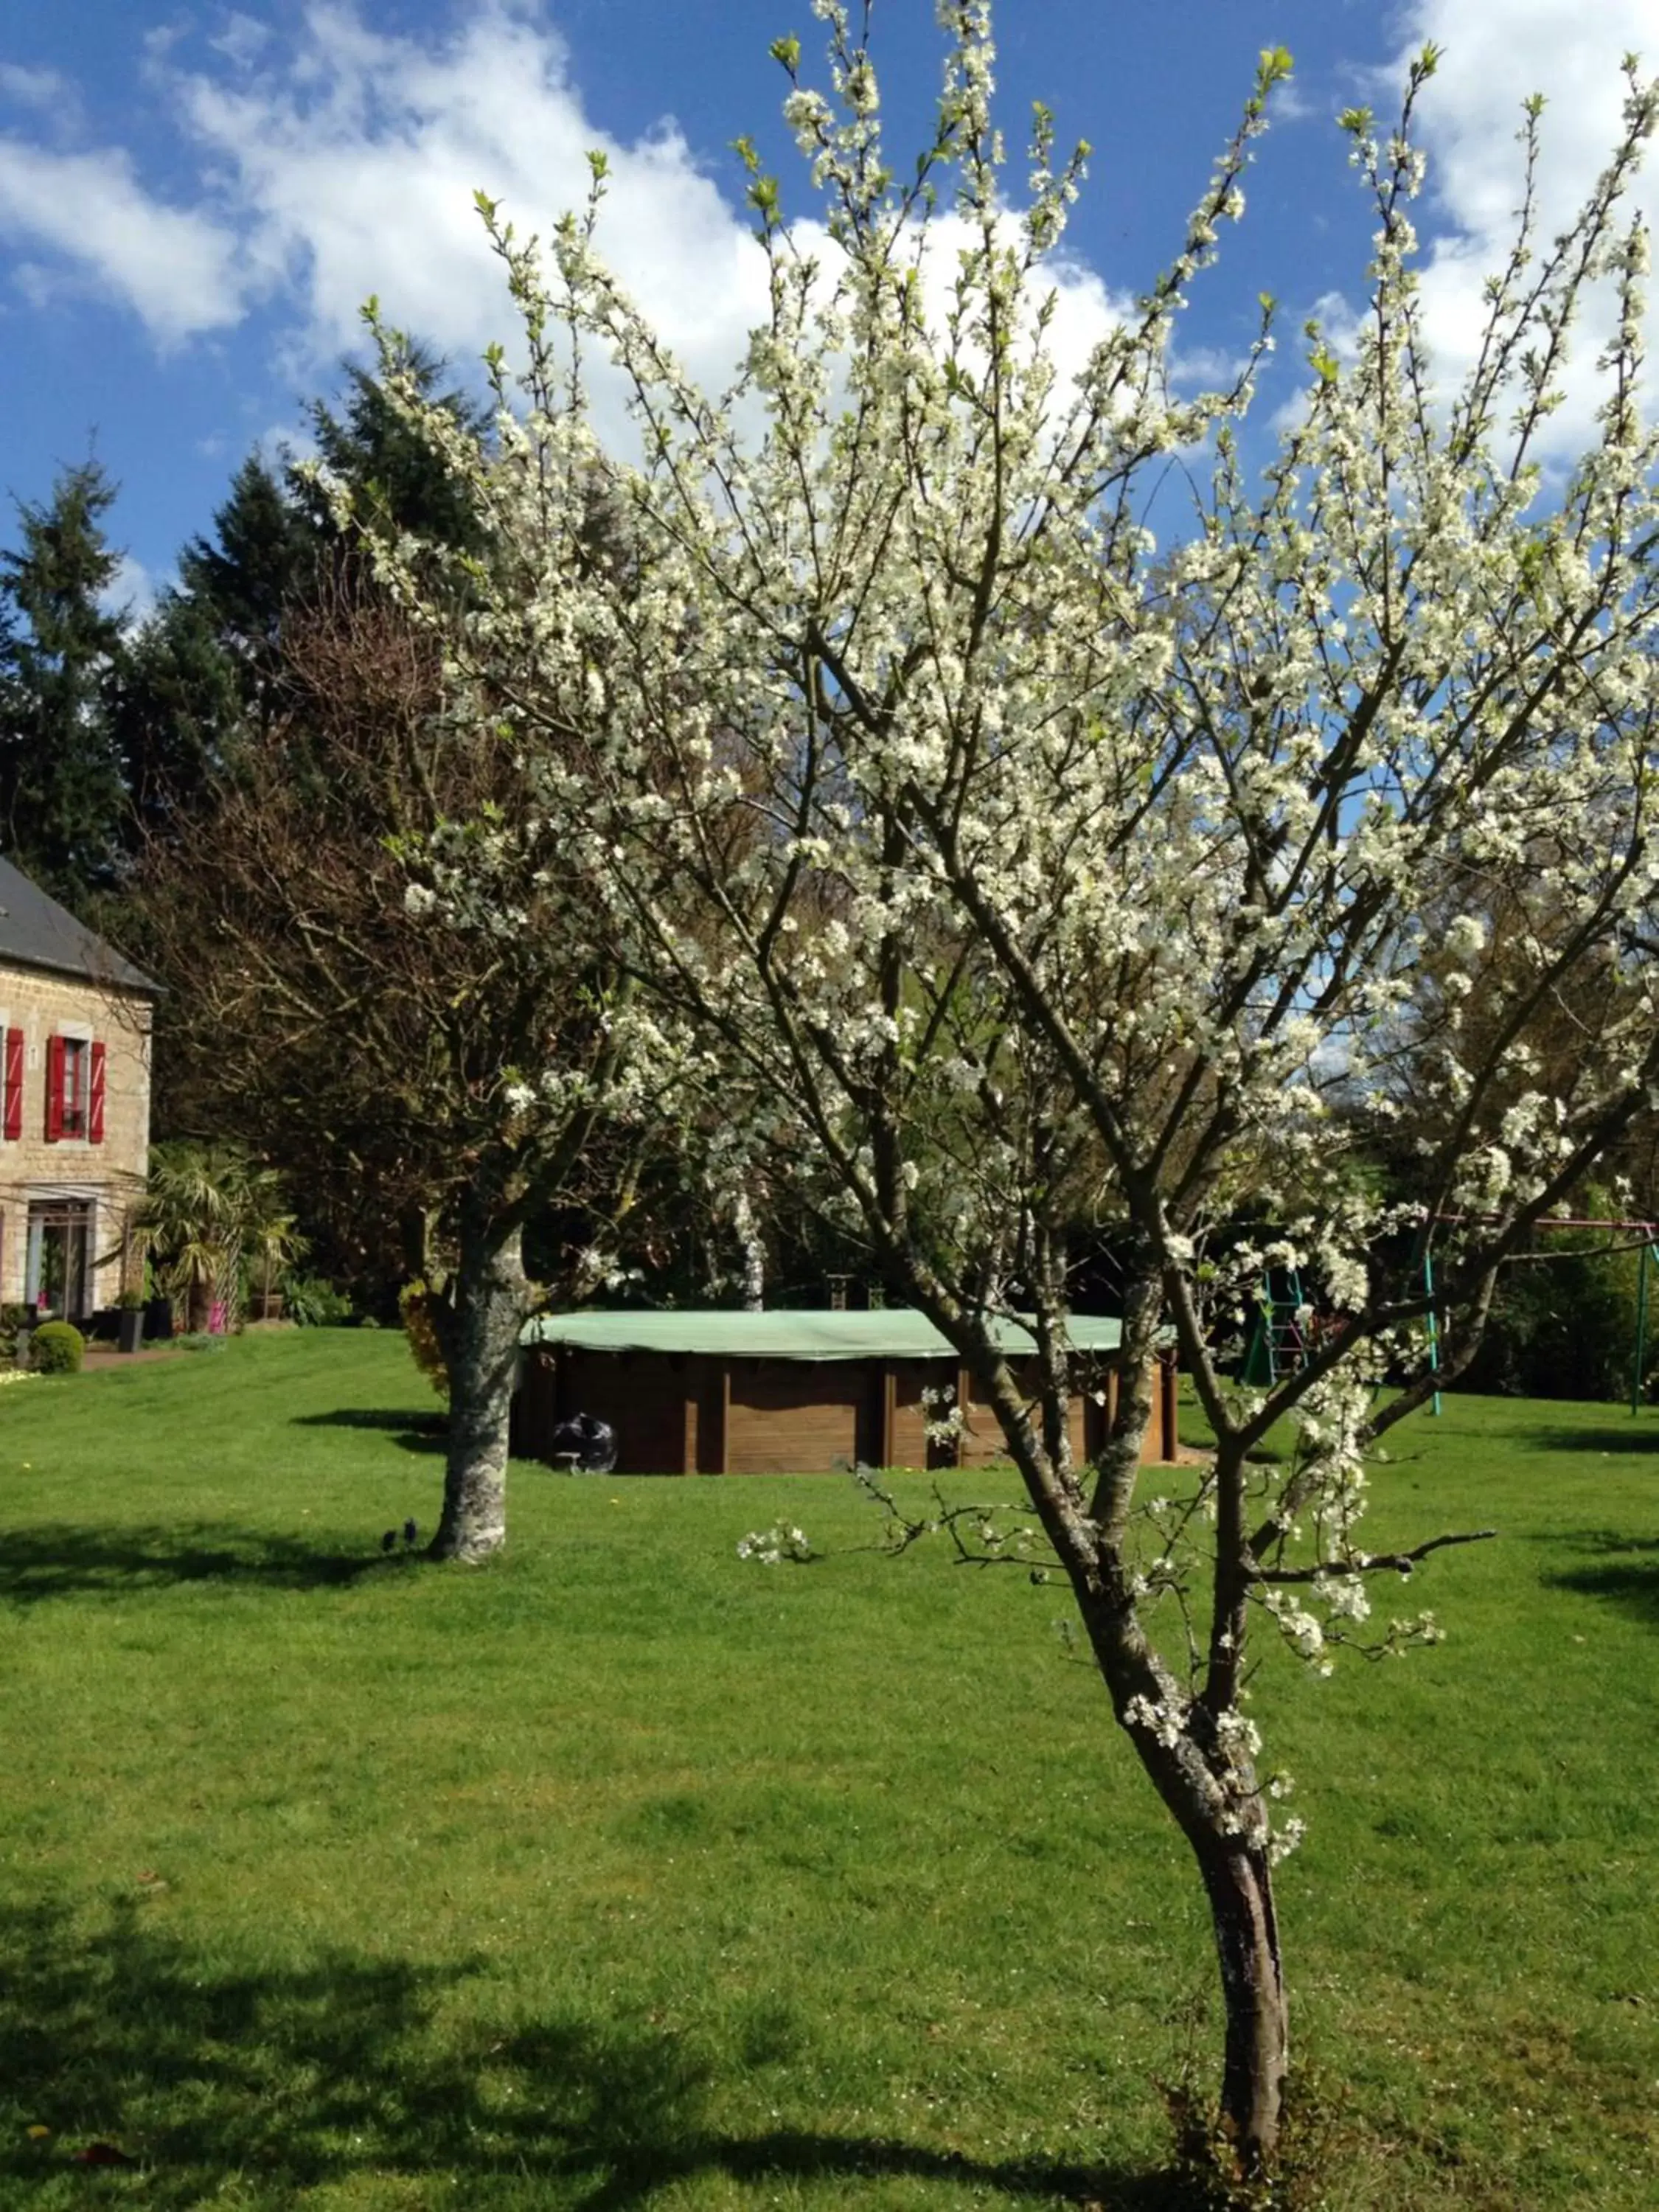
(621, 1874)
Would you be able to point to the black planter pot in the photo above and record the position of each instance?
(158, 1320)
(131, 1328)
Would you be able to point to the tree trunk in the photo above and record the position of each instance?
(481, 1355)
(1240, 1886)
(1213, 1797)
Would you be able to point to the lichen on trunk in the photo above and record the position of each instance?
(481, 1350)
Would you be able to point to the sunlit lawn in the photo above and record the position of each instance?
(624, 1874)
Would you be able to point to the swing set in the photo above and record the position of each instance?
(1279, 1339)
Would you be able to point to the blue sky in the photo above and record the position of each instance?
(195, 199)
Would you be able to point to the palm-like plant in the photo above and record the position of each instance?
(272, 1240)
(210, 1210)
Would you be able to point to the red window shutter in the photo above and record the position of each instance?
(14, 1121)
(54, 1090)
(95, 1097)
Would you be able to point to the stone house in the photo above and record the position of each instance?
(74, 1018)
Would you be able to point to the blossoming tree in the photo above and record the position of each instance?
(1013, 869)
(403, 1065)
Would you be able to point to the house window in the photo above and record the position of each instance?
(73, 1086)
(59, 1270)
(75, 1090)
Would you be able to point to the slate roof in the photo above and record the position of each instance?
(896, 1333)
(35, 931)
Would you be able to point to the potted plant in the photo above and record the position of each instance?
(130, 1320)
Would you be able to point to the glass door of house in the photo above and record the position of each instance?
(58, 1280)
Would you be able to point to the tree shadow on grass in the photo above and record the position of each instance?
(1639, 1437)
(297, 2078)
(413, 1432)
(1624, 1569)
(60, 1559)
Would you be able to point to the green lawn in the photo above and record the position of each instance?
(621, 1874)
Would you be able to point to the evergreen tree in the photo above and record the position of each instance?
(396, 482)
(264, 553)
(104, 736)
(212, 659)
(62, 795)
(179, 712)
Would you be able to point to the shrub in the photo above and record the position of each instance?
(415, 1303)
(12, 1318)
(314, 1303)
(57, 1348)
(1566, 1328)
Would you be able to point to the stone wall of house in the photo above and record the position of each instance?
(42, 1175)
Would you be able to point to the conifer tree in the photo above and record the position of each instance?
(367, 448)
(177, 713)
(62, 800)
(262, 554)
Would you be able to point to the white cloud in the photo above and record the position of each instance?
(342, 161)
(40, 88)
(280, 443)
(353, 172)
(242, 40)
(161, 38)
(43, 288)
(173, 266)
(345, 164)
(1290, 104)
(131, 594)
(1496, 53)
